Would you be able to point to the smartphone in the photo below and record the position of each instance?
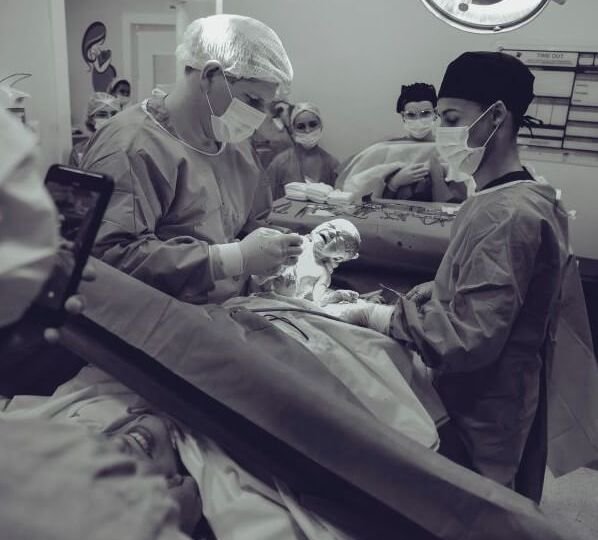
(81, 198)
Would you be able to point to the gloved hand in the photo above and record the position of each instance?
(340, 295)
(421, 293)
(266, 250)
(363, 313)
(408, 175)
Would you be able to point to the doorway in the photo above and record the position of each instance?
(151, 49)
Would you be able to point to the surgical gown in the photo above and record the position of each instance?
(486, 328)
(171, 202)
(296, 163)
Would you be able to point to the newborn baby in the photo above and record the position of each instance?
(324, 248)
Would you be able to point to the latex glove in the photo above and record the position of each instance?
(340, 295)
(421, 293)
(363, 313)
(408, 175)
(266, 250)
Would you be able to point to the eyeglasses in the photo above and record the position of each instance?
(304, 125)
(415, 115)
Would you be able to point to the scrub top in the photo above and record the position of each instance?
(171, 203)
(296, 163)
(487, 327)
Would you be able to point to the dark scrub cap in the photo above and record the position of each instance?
(416, 92)
(487, 77)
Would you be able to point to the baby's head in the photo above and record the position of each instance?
(335, 241)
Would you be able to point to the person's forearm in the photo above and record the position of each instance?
(179, 266)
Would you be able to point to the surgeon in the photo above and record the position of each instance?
(306, 160)
(100, 108)
(485, 325)
(187, 184)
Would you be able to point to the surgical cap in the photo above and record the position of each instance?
(244, 47)
(488, 77)
(416, 92)
(298, 108)
(100, 101)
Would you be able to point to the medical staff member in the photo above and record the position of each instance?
(121, 90)
(187, 183)
(306, 160)
(421, 180)
(484, 324)
(100, 108)
(28, 222)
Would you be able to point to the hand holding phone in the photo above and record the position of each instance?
(81, 199)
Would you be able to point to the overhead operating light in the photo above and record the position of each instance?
(488, 16)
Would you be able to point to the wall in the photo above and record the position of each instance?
(35, 44)
(79, 15)
(351, 57)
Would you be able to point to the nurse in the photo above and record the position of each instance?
(187, 184)
(425, 177)
(306, 160)
(100, 108)
(486, 324)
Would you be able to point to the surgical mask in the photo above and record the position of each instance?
(123, 100)
(99, 122)
(451, 143)
(419, 129)
(238, 122)
(308, 140)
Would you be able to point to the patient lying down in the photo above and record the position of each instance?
(328, 245)
(237, 505)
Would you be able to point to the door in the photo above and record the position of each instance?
(154, 61)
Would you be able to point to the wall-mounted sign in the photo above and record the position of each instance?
(566, 101)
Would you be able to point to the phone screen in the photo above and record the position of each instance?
(75, 207)
(80, 198)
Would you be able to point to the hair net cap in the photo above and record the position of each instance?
(416, 92)
(298, 108)
(243, 46)
(487, 77)
(100, 101)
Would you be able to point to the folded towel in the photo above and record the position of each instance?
(296, 191)
(340, 198)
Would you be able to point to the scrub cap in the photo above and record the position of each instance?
(487, 77)
(244, 47)
(100, 101)
(416, 92)
(298, 108)
(116, 83)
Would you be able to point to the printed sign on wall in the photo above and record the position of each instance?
(566, 89)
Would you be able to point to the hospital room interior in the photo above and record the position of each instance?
(298, 269)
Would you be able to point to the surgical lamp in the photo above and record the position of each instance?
(488, 16)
